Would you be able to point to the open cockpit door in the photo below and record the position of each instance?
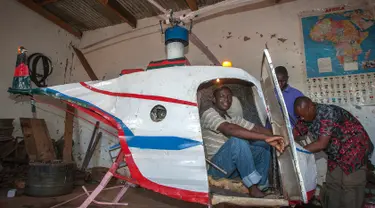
(290, 173)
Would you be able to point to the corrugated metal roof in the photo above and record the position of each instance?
(83, 14)
(139, 8)
(86, 15)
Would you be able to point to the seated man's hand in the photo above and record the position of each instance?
(277, 142)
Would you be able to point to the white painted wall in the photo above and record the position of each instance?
(21, 26)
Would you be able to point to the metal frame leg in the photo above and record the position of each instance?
(107, 177)
(121, 193)
(97, 190)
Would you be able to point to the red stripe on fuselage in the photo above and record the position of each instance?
(139, 96)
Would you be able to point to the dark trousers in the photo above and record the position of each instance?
(344, 191)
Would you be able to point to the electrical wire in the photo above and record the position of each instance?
(39, 79)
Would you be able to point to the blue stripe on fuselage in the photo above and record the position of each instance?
(159, 142)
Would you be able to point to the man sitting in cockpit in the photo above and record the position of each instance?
(228, 145)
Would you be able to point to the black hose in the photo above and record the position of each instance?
(39, 79)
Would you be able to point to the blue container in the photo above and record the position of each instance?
(177, 34)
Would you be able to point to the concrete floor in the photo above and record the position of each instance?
(136, 197)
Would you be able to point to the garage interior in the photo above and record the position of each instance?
(72, 41)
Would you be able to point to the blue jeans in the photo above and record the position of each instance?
(238, 157)
(259, 143)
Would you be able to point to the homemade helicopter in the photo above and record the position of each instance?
(156, 114)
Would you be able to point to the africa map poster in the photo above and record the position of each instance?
(339, 43)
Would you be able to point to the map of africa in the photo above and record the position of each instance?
(339, 43)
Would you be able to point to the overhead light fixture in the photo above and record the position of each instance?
(226, 64)
(217, 80)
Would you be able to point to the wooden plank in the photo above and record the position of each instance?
(38, 9)
(7, 148)
(28, 138)
(118, 9)
(43, 141)
(197, 42)
(38, 142)
(192, 4)
(85, 64)
(68, 134)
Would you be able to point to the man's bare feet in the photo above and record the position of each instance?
(255, 192)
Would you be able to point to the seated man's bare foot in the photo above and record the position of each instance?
(255, 192)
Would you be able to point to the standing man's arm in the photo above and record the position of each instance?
(300, 129)
(325, 133)
(319, 145)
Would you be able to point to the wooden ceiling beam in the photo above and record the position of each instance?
(192, 4)
(38, 9)
(85, 64)
(120, 11)
(70, 111)
(44, 2)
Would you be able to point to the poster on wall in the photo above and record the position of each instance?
(339, 42)
(339, 47)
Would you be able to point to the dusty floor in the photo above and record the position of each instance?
(136, 197)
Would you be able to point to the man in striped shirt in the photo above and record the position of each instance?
(226, 141)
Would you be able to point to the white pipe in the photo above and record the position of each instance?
(175, 50)
(158, 6)
(216, 8)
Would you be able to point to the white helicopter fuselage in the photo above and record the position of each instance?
(167, 155)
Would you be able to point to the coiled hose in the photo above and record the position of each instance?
(39, 79)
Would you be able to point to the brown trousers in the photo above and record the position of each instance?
(344, 191)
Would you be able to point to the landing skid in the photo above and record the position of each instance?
(107, 177)
(102, 186)
(91, 197)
